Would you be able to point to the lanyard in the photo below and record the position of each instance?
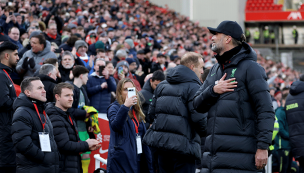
(135, 123)
(43, 124)
(10, 79)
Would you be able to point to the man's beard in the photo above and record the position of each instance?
(215, 48)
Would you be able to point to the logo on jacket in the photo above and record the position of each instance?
(232, 73)
(292, 106)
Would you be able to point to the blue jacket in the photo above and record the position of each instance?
(20, 46)
(122, 155)
(100, 98)
(7, 26)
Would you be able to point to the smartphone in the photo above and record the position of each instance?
(101, 68)
(120, 70)
(10, 13)
(131, 92)
(57, 51)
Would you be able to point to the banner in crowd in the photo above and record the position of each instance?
(104, 139)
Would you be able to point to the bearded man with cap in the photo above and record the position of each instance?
(236, 97)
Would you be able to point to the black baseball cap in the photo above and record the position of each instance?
(229, 28)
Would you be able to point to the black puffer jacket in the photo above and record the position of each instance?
(49, 84)
(147, 94)
(25, 128)
(177, 126)
(239, 122)
(7, 95)
(295, 119)
(67, 139)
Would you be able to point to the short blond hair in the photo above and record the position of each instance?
(190, 58)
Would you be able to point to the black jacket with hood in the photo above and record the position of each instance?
(147, 94)
(7, 95)
(295, 118)
(67, 139)
(25, 129)
(177, 126)
(239, 122)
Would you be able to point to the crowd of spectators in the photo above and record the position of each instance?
(112, 40)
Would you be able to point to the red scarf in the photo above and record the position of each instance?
(52, 36)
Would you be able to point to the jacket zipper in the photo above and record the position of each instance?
(241, 111)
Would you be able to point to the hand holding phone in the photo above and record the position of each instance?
(131, 93)
(101, 69)
(120, 70)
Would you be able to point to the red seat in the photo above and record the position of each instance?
(267, 8)
(262, 8)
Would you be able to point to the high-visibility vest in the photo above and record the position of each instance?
(247, 33)
(272, 35)
(256, 35)
(266, 33)
(275, 132)
(294, 33)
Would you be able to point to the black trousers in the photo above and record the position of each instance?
(7, 169)
(285, 160)
(175, 163)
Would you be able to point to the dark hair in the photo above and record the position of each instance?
(26, 83)
(302, 77)
(66, 29)
(58, 88)
(108, 62)
(52, 61)
(79, 70)
(158, 75)
(205, 74)
(9, 8)
(237, 42)
(71, 41)
(9, 30)
(41, 39)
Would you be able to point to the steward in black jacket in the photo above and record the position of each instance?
(25, 128)
(147, 93)
(177, 127)
(7, 95)
(49, 84)
(239, 121)
(295, 119)
(68, 142)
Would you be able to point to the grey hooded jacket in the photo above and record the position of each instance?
(38, 57)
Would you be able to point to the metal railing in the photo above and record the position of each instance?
(99, 159)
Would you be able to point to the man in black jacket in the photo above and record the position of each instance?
(51, 34)
(161, 64)
(9, 58)
(66, 131)
(32, 127)
(48, 76)
(236, 97)
(295, 120)
(177, 127)
(147, 93)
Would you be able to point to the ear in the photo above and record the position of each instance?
(151, 80)
(80, 77)
(192, 66)
(27, 92)
(57, 97)
(228, 40)
(6, 56)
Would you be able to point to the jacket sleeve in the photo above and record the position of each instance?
(78, 114)
(62, 138)
(205, 97)
(6, 102)
(19, 68)
(258, 90)
(199, 120)
(21, 135)
(111, 84)
(93, 89)
(117, 117)
(281, 115)
(151, 109)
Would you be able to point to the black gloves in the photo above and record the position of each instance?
(25, 63)
(31, 62)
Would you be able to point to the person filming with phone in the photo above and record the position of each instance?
(100, 85)
(127, 129)
(8, 19)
